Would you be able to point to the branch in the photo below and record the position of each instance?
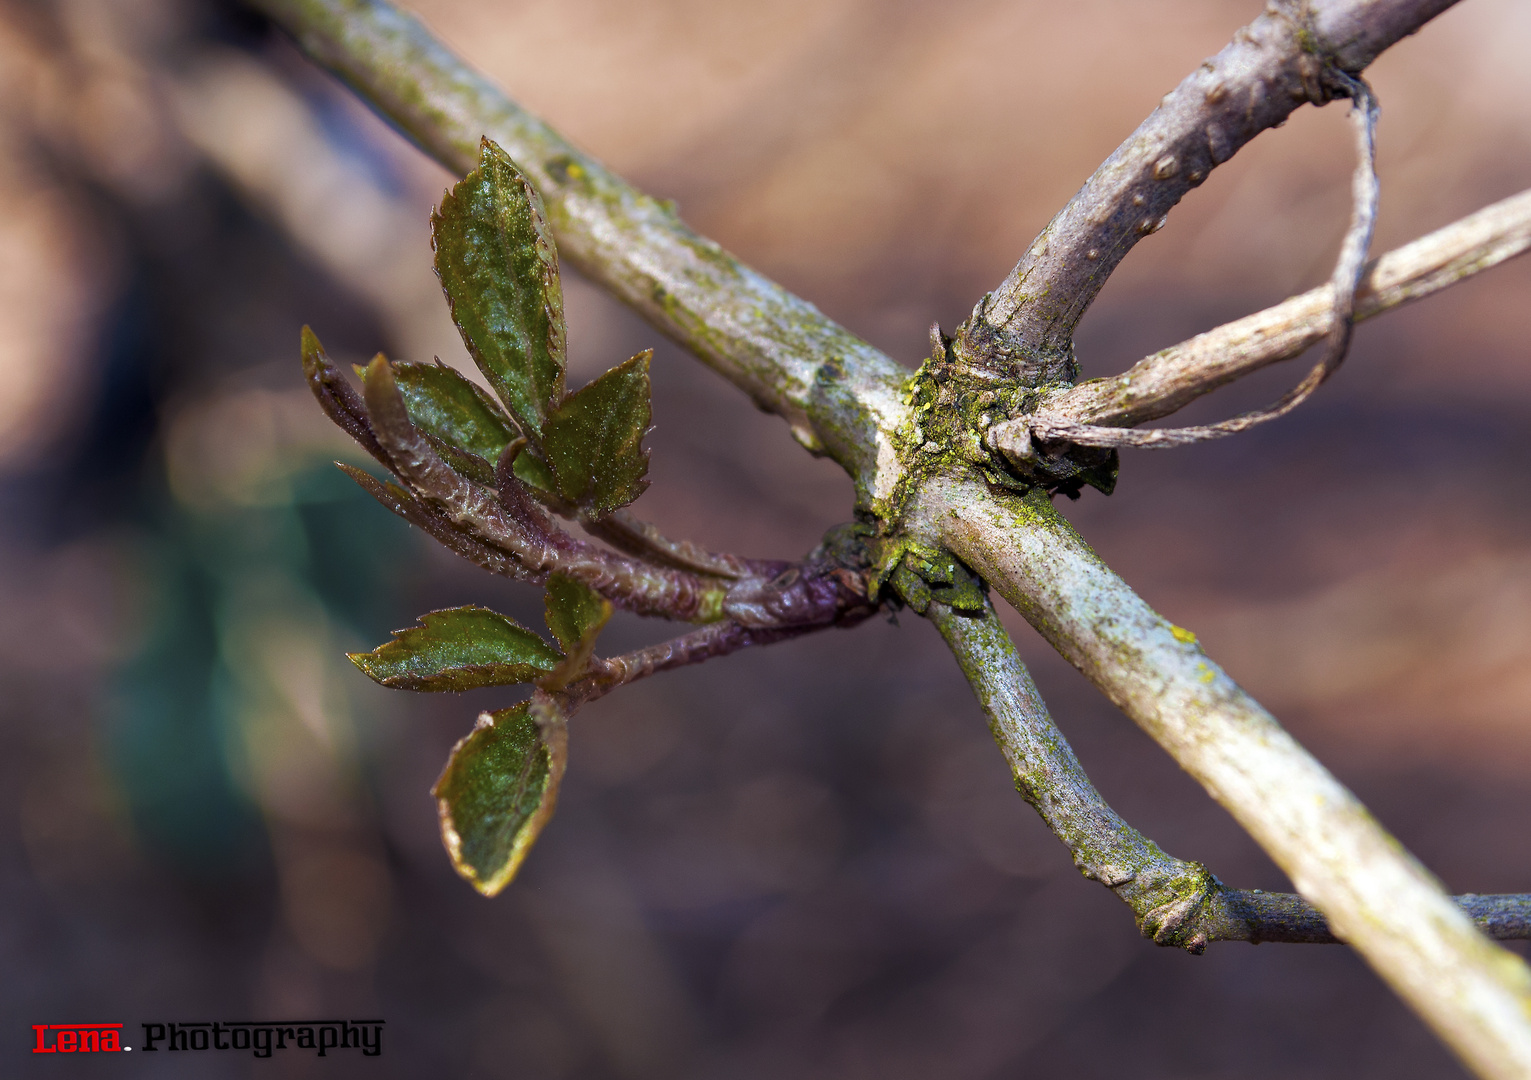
(1376, 896)
(700, 645)
(1173, 902)
(1162, 891)
(839, 394)
(1292, 54)
(1170, 379)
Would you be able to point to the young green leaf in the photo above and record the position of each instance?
(459, 649)
(498, 790)
(593, 444)
(496, 260)
(444, 404)
(576, 615)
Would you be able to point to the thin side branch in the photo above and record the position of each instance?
(1164, 893)
(1293, 54)
(775, 595)
(704, 643)
(510, 522)
(1173, 902)
(1377, 897)
(506, 531)
(1160, 384)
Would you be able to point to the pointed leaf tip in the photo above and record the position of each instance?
(499, 789)
(378, 368)
(310, 349)
(459, 649)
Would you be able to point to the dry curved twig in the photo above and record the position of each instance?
(1172, 378)
(1013, 437)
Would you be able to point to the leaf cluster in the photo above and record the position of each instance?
(486, 471)
(501, 781)
(579, 454)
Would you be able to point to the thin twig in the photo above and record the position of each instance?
(1161, 890)
(1014, 439)
(1172, 378)
(523, 530)
(1294, 53)
(771, 595)
(702, 644)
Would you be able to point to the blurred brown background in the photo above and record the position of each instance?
(802, 862)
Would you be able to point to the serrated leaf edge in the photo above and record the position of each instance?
(405, 682)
